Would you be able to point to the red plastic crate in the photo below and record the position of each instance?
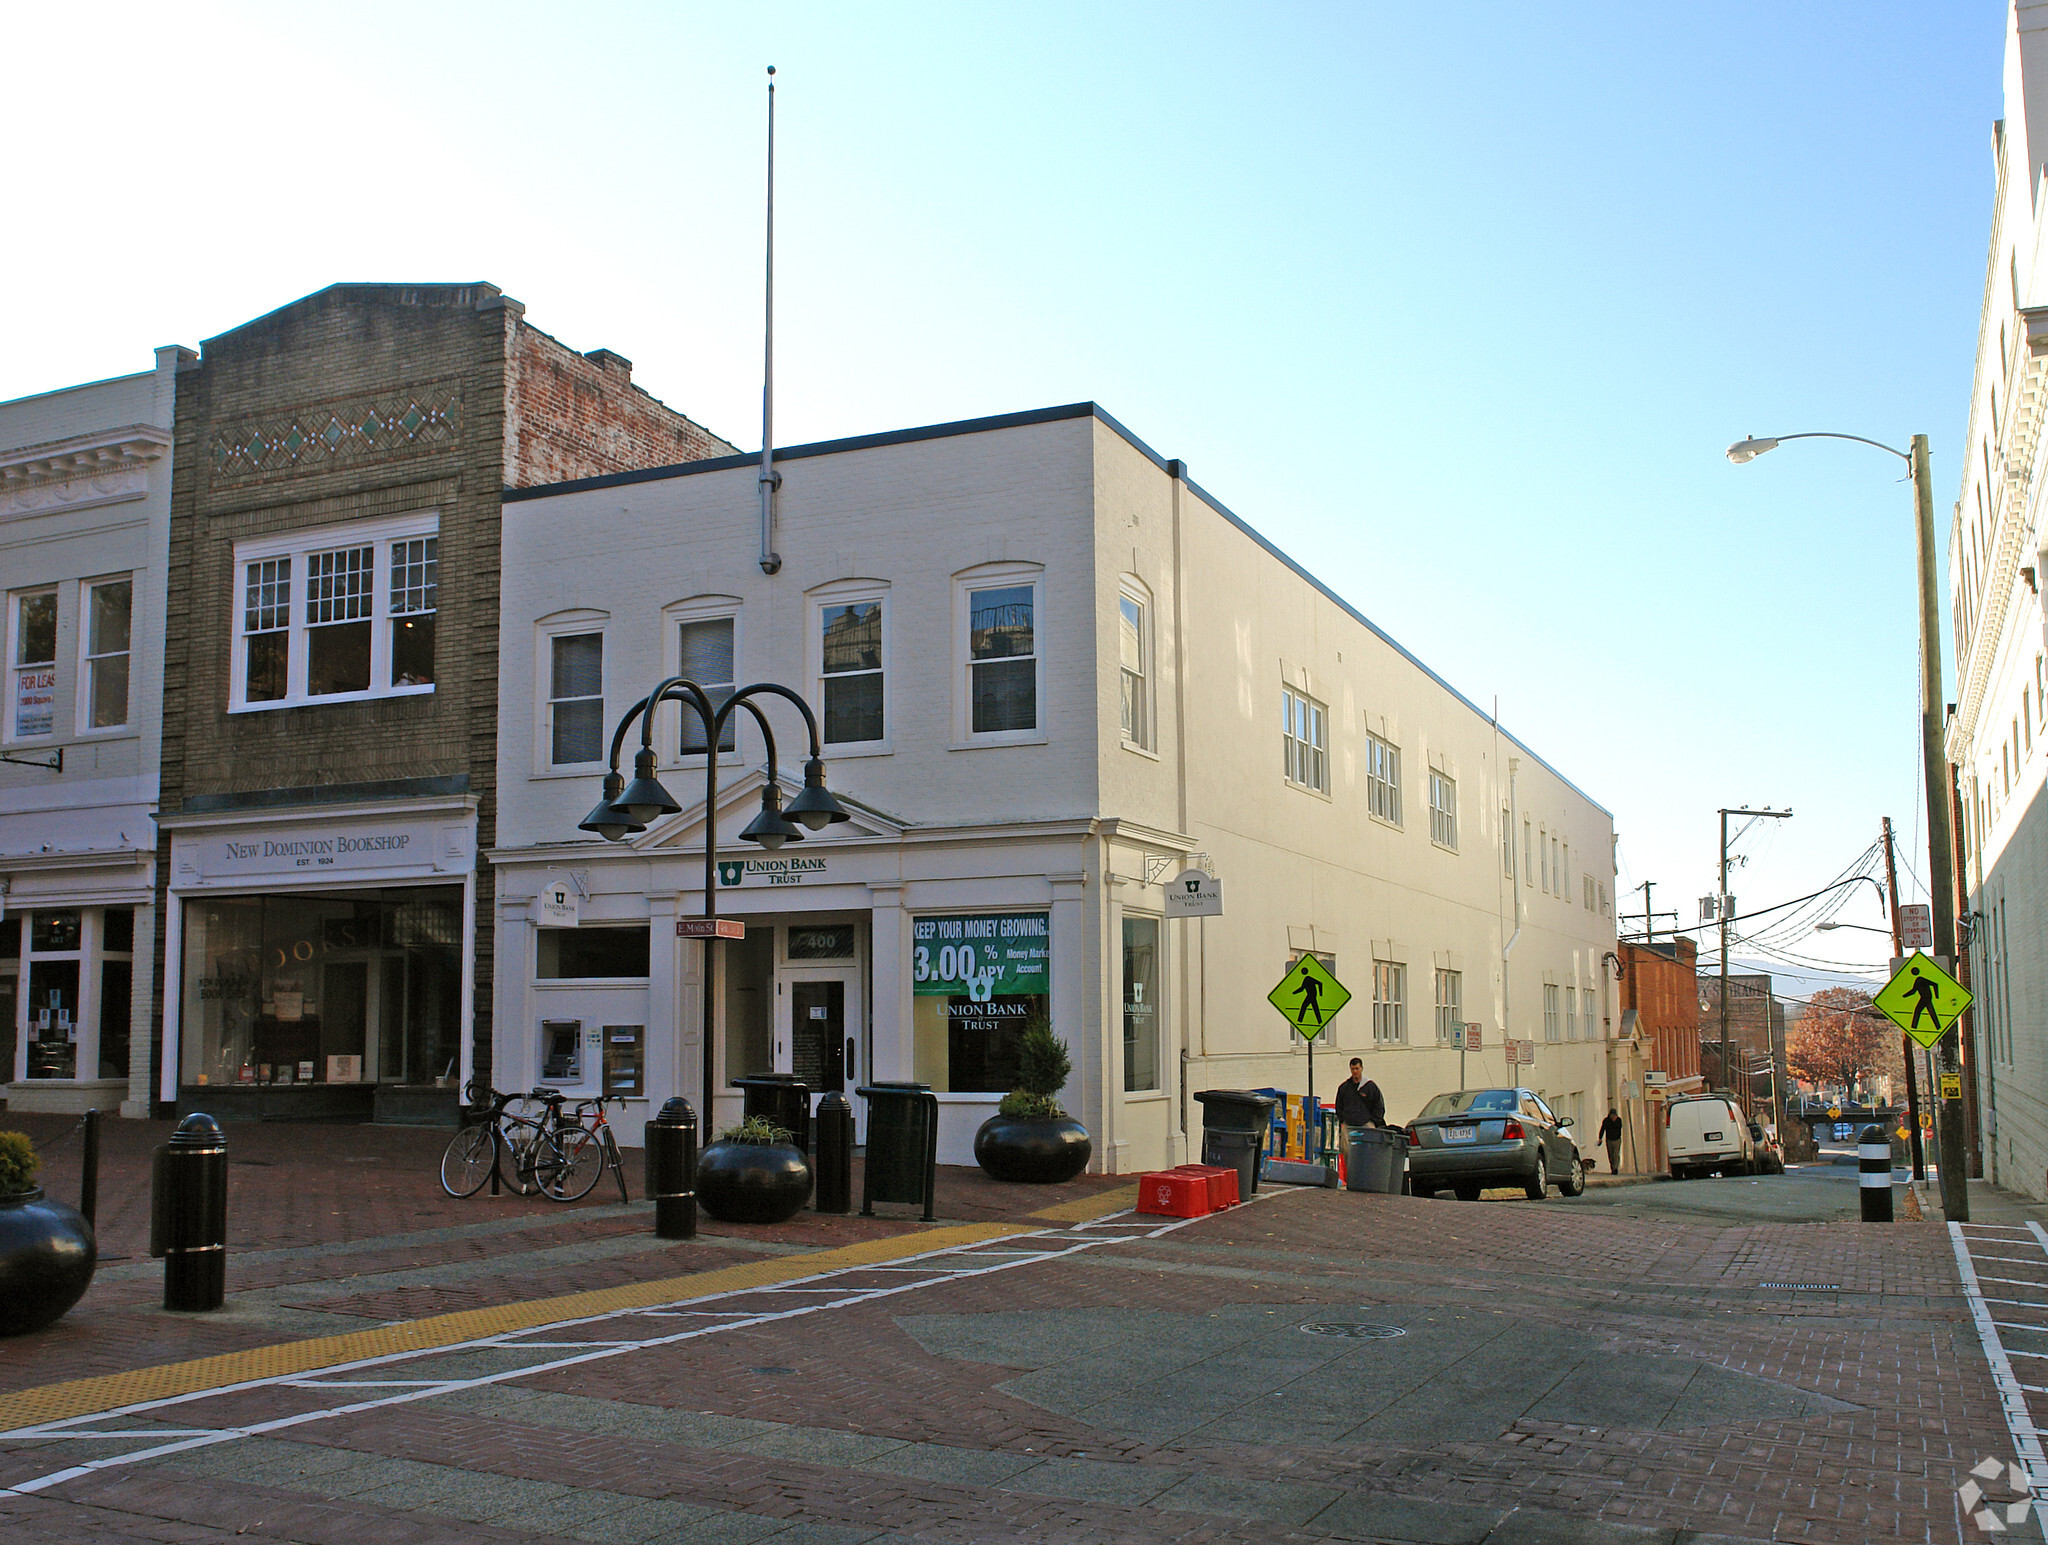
(1172, 1194)
(1222, 1183)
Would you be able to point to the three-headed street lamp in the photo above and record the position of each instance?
(1955, 1195)
(627, 808)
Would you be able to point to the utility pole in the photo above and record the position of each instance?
(1891, 885)
(1727, 909)
(1941, 883)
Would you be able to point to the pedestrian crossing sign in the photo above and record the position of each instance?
(1922, 999)
(1309, 997)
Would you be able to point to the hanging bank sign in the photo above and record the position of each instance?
(981, 956)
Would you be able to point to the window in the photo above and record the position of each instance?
(590, 952)
(108, 606)
(1528, 869)
(851, 672)
(1586, 890)
(1389, 1003)
(1507, 843)
(32, 665)
(575, 698)
(1591, 1031)
(1450, 1004)
(1550, 1032)
(979, 983)
(1303, 734)
(1543, 849)
(1002, 659)
(341, 612)
(704, 654)
(1141, 1004)
(1605, 906)
(1132, 642)
(1383, 779)
(1571, 1012)
(1443, 809)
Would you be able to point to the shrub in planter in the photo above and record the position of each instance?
(1030, 1138)
(47, 1251)
(754, 1173)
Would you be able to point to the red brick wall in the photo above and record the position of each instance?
(1665, 994)
(569, 415)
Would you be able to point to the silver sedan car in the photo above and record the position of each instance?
(1479, 1138)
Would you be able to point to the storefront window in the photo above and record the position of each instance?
(1141, 1004)
(581, 952)
(979, 982)
(53, 1019)
(339, 989)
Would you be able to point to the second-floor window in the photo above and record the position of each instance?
(852, 673)
(1450, 1004)
(337, 613)
(32, 665)
(1002, 659)
(1389, 1003)
(1304, 737)
(705, 655)
(1383, 779)
(1132, 671)
(576, 698)
(1443, 809)
(108, 608)
(1549, 1011)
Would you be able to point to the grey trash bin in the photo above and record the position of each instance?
(1234, 1125)
(1375, 1159)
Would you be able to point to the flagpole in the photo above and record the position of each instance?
(771, 560)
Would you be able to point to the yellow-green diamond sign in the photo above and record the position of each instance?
(1309, 996)
(1923, 1000)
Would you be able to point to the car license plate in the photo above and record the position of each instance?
(1711, 1137)
(1461, 1134)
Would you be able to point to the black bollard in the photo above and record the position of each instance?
(188, 1215)
(89, 1177)
(832, 1132)
(1874, 1174)
(671, 1143)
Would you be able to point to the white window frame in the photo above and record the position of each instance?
(1550, 1010)
(1141, 735)
(299, 546)
(1382, 779)
(1443, 809)
(1591, 1030)
(1507, 843)
(850, 592)
(668, 730)
(1571, 1013)
(1450, 1007)
(83, 695)
(13, 671)
(1389, 1009)
(996, 576)
(1544, 849)
(1314, 756)
(567, 624)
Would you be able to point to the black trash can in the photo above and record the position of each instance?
(903, 1146)
(1376, 1159)
(1234, 1126)
(781, 1098)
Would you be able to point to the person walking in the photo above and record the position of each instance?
(1359, 1101)
(1610, 1134)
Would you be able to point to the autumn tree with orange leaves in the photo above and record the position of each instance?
(1842, 1039)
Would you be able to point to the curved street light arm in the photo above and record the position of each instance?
(1828, 434)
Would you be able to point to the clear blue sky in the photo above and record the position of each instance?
(1458, 304)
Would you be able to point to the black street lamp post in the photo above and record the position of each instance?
(627, 808)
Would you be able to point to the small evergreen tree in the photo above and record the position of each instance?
(1043, 1068)
(18, 1163)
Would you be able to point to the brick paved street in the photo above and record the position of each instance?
(1607, 1371)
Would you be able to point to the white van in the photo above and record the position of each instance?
(1705, 1134)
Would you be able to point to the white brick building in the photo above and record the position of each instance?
(85, 493)
(1050, 669)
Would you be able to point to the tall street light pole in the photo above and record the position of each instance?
(1955, 1191)
(627, 808)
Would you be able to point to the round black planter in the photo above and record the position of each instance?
(47, 1254)
(1039, 1150)
(752, 1182)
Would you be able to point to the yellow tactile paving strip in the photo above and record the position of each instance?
(106, 1392)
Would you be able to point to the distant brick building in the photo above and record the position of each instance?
(1756, 1034)
(1660, 983)
(324, 940)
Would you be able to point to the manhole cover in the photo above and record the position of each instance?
(1356, 1332)
(1804, 1287)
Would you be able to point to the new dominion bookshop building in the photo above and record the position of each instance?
(1049, 671)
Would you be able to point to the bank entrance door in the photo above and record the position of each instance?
(820, 1022)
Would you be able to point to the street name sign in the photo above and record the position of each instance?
(1922, 999)
(1193, 893)
(710, 928)
(1309, 997)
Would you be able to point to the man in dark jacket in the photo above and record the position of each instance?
(1610, 1134)
(1359, 1101)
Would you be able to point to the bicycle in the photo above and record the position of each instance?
(496, 1141)
(578, 1151)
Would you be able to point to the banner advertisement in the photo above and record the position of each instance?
(981, 956)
